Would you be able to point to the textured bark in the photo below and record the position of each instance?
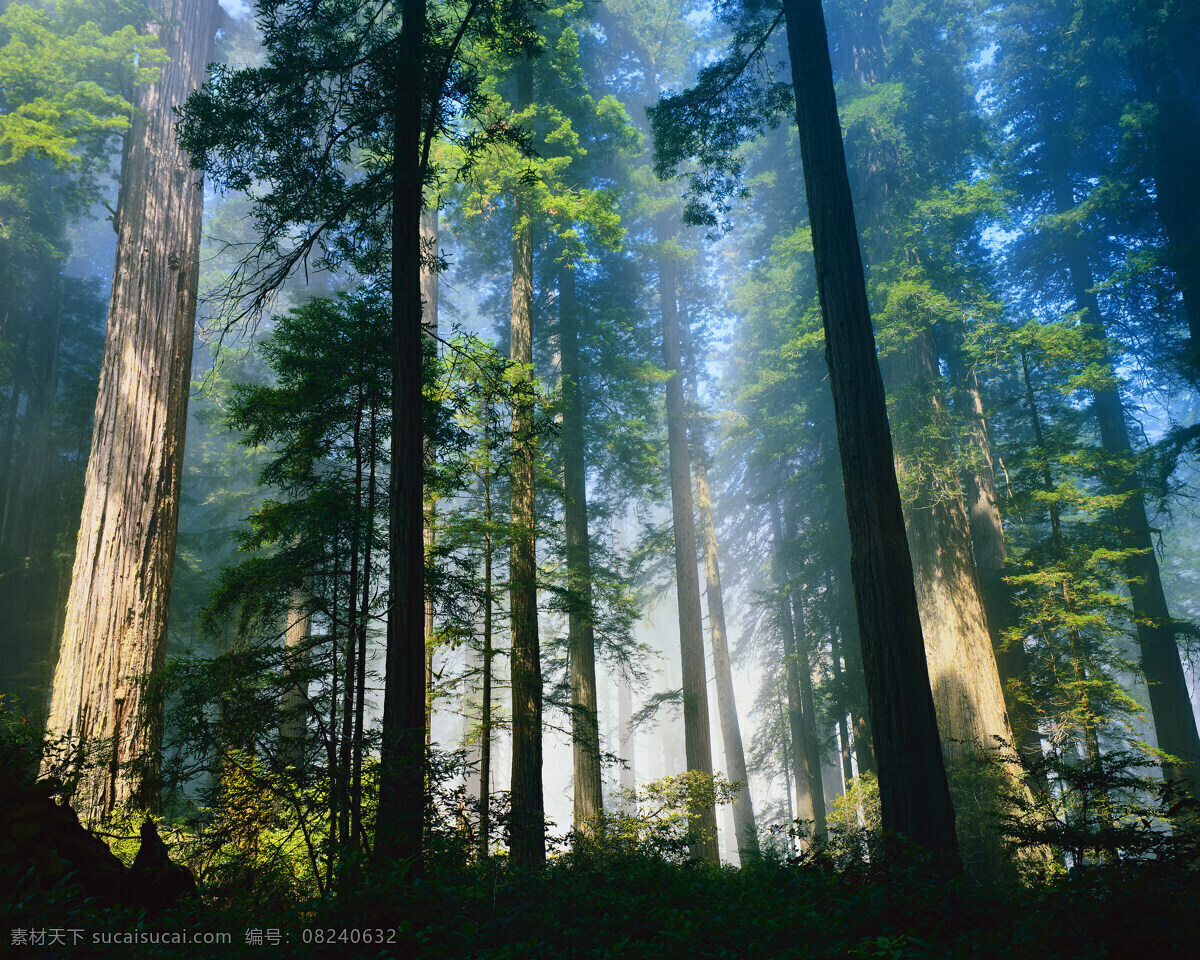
(429, 321)
(966, 684)
(914, 795)
(527, 841)
(116, 624)
(958, 646)
(991, 555)
(400, 819)
(697, 739)
(731, 733)
(1170, 704)
(581, 641)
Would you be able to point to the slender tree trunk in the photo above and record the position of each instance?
(628, 743)
(806, 768)
(360, 697)
(811, 742)
(697, 741)
(581, 642)
(400, 820)
(1170, 704)
(485, 720)
(429, 319)
(914, 795)
(115, 634)
(527, 828)
(731, 734)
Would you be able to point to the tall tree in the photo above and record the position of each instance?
(731, 733)
(914, 795)
(115, 633)
(585, 726)
(528, 832)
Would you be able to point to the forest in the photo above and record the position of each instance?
(615, 479)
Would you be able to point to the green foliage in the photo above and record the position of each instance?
(1110, 811)
(656, 819)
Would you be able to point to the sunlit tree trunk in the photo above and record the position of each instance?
(914, 795)
(581, 642)
(697, 739)
(116, 624)
(991, 555)
(294, 708)
(966, 685)
(527, 829)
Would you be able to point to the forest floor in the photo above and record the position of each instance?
(639, 907)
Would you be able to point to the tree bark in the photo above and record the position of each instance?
(731, 733)
(116, 624)
(581, 642)
(958, 645)
(697, 739)
(527, 840)
(991, 555)
(914, 795)
(400, 820)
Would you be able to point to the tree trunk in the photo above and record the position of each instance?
(991, 555)
(811, 742)
(958, 645)
(581, 643)
(914, 795)
(401, 814)
(294, 708)
(697, 743)
(527, 840)
(731, 733)
(1170, 704)
(116, 625)
(806, 766)
(429, 320)
(628, 748)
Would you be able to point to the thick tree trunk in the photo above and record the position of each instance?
(527, 826)
(401, 815)
(731, 733)
(991, 555)
(697, 739)
(914, 795)
(581, 642)
(1170, 704)
(116, 624)
(958, 645)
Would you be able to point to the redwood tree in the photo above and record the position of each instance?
(115, 633)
